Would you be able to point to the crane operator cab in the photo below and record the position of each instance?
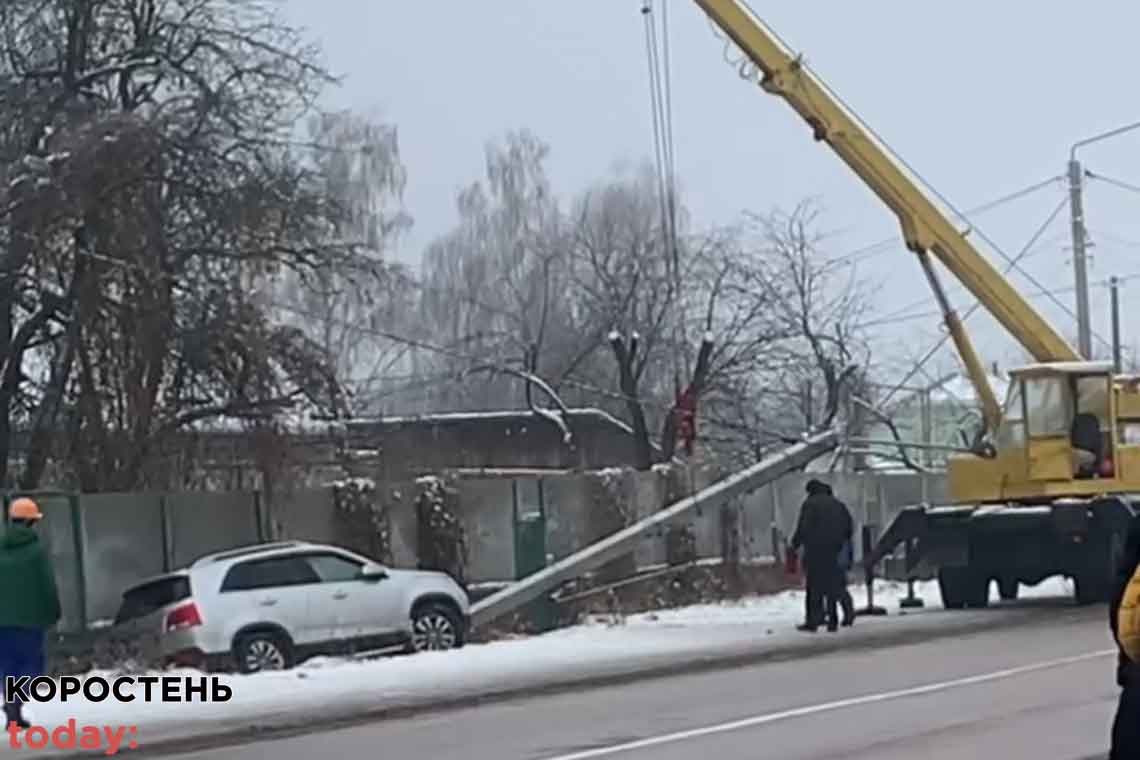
(1061, 434)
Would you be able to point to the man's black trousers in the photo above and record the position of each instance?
(1126, 726)
(822, 582)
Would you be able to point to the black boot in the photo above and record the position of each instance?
(13, 713)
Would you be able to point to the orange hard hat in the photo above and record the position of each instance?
(24, 509)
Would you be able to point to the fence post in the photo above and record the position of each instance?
(79, 540)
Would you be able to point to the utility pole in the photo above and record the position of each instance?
(1080, 271)
(1113, 286)
(927, 426)
(1080, 238)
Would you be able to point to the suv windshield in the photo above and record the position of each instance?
(153, 595)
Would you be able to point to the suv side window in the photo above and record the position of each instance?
(334, 568)
(272, 572)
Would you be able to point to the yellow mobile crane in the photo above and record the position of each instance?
(1047, 488)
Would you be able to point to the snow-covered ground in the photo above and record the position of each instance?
(789, 605)
(598, 648)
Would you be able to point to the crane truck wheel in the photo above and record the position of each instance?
(952, 588)
(962, 587)
(978, 595)
(1090, 588)
(1093, 583)
(1008, 588)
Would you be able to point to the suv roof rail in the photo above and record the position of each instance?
(243, 551)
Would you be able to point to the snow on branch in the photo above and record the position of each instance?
(561, 418)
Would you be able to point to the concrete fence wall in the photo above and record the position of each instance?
(102, 543)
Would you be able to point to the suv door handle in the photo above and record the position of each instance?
(268, 602)
(340, 595)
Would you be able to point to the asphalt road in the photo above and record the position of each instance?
(1041, 689)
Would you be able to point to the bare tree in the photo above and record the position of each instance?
(345, 309)
(494, 287)
(821, 357)
(622, 282)
(596, 303)
(704, 287)
(151, 188)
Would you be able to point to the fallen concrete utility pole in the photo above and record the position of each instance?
(621, 543)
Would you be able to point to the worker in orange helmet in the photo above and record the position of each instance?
(29, 601)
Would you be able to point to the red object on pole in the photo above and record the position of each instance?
(791, 561)
(685, 411)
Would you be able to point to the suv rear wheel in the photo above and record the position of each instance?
(262, 650)
(435, 627)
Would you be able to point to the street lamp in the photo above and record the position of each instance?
(1077, 214)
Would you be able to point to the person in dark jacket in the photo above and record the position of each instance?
(823, 527)
(29, 600)
(1126, 725)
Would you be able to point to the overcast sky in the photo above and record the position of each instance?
(982, 98)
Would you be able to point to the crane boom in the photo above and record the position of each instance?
(927, 228)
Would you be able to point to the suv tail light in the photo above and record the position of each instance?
(183, 616)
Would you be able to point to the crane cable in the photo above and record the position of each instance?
(661, 102)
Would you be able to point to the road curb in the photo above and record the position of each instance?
(817, 645)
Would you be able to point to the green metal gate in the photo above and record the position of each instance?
(530, 547)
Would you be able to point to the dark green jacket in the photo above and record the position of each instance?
(28, 594)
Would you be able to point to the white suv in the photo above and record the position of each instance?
(267, 607)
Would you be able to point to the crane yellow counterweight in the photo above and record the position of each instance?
(1048, 493)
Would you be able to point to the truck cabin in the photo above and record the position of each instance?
(1128, 409)
(1062, 415)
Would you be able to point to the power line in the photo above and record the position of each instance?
(918, 367)
(1114, 182)
(919, 179)
(506, 366)
(882, 246)
(1024, 254)
(903, 163)
(748, 72)
(907, 312)
(1115, 238)
(1036, 294)
(920, 364)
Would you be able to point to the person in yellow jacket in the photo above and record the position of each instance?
(1124, 620)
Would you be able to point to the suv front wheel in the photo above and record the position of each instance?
(435, 627)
